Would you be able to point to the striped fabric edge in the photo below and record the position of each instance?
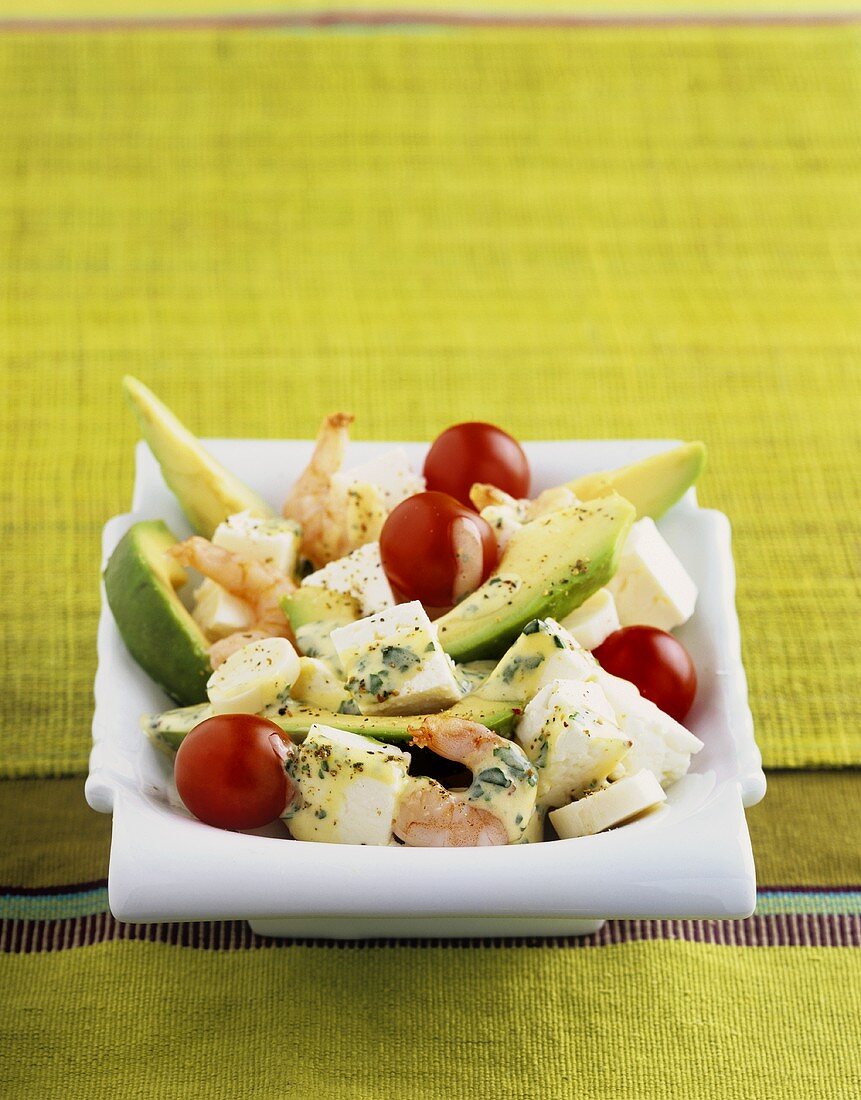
(819, 930)
(91, 898)
(393, 18)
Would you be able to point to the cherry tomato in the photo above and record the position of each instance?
(656, 662)
(470, 452)
(435, 550)
(229, 771)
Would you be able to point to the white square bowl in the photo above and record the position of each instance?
(692, 858)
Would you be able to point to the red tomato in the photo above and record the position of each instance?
(229, 771)
(466, 453)
(435, 550)
(656, 662)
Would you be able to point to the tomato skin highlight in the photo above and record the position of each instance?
(656, 663)
(475, 451)
(417, 547)
(230, 772)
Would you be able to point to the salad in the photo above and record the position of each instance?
(431, 658)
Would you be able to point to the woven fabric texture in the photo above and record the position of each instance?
(433, 1022)
(81, 9)
(601, 233)
(425, 1021)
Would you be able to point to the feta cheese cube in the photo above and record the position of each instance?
(273, 541)
(217, 613)
(361, 575)
(349, 787)
(394, 663)
(391, 472)
(364, 511)
(593, 621)
(570, 734)
(544, 652)
(651, 586)
(660, 744)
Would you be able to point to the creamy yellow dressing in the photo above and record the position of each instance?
(348, 788)
(314, 639)
(318, 686)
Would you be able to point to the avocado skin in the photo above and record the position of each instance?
(653, 485)
(155, 626)
(206, 491)
(563, 558)
(167, 730)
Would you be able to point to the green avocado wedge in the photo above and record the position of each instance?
(141, 583)
(207, 492)
(166, 731)
(654, 485)
(313, 613)
(549, 567)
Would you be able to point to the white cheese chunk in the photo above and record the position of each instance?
(361, 575)
(274, 542)
(349, 787)
(609, 806)
(364, 512)
(390, 472)
(217, 613)
(651, 586)
(593, 621)
(569, 732)
(544, 652)
(394, 664)
(660, 744)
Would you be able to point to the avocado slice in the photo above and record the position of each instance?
(141, 583)
(207, 492)
(549, 567)
(653, 485)
(167, 730)
(313, 613)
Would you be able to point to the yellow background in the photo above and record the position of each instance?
(596, 233)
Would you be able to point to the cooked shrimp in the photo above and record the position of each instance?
(550, 500)
(335, 518)
(483, 495)
(261, 586)
(504, 781)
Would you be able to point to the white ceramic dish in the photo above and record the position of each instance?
(690, 859)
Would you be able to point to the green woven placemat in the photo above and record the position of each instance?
(617, 233)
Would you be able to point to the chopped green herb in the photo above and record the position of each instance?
(375, 683)
(541, 759)
(496, 777)
(399, 658)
